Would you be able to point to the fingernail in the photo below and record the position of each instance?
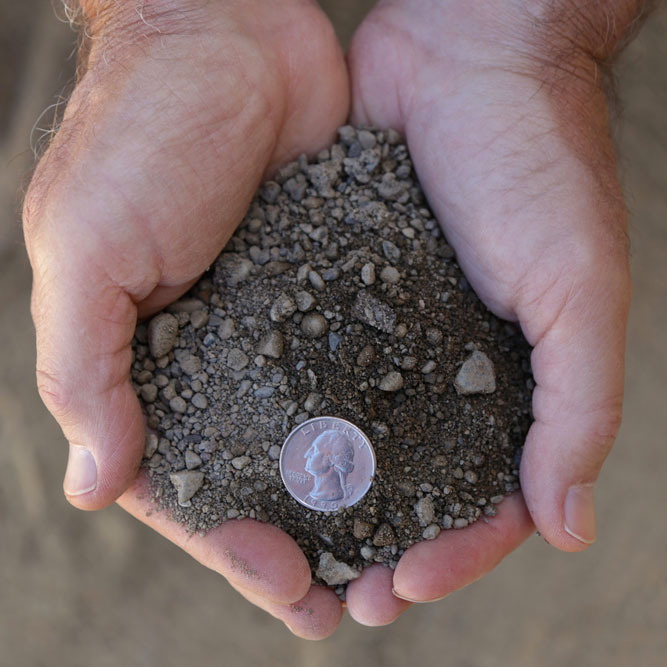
(580, 513)
(81, 475)
(403, 597)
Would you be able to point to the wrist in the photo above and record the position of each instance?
(597, 29)
(565, 45)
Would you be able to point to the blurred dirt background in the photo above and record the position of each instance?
(100, 589)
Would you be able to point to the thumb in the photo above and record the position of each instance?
(84, 325)
(579, 369)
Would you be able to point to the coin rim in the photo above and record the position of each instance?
(299, 427)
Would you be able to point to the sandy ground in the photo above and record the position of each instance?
(99, 589)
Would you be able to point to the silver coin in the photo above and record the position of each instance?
(327, 463)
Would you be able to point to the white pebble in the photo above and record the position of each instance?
(392, 381)
(390, 275)
(240, 462)
(431, 532)
(368, 273)
(314, 325)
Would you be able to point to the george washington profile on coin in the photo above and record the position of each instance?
(330, 459)
(327, 463)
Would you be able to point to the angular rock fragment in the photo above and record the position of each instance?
(392, 381)
(384, 536)
(373, 312)
(186, 483)
(272, 345)
(233, 268)
(476, 376)
(334, 572)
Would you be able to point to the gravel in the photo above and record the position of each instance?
(338, 295)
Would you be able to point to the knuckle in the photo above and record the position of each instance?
(604, 425)
(54, 393)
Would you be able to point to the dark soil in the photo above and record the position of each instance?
(338, 295)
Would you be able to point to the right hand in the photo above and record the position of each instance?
(183, 108)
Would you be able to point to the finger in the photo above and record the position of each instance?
(431, 570)
(315, 616)
(257, 557)
(370, 600)
(578, 368)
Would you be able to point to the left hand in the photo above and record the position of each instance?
(510, 139)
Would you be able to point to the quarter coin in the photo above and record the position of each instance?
(327, 463)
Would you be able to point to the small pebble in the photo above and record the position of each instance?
(305, 301)
(431, 532)
(366, 139)
(178, 404)
(149, 393)
(335, 572)
(199, 401)
(470, 476)
(334, 341)
(227, 329)
(150, 446)
(392, 381)
(425, 511)
(190, 364)
(312, 402)
(272, 345)
(366, 356)
(192, 460)
(240, 462)
(384, 536)
(316, 280)
(237, 359)
(390, 275)
(362, 529)
(391, 251)
(370, 310)
(198, 319)
(186, 483)
(162, 333)
(408, 363)
(368, 273)
(367, 553)
(282, 308)
(477, 375)
(428, 367)
(314, 325)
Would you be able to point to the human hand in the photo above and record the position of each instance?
(508, 127)
(183, 107)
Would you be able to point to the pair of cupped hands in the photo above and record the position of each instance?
(185, 106)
